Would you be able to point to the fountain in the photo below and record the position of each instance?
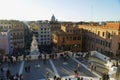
(34, 47)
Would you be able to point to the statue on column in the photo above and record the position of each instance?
(34, 46)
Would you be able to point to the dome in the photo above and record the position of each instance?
(53, 18)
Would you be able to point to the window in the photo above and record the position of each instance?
(63, 39)
(98, 33)
(44, 35)
(118, 46)
(74, 38)
(108, 35)
(109, 44)
(70, 38)
(103, 43)
(78, 37)
(103, 34)
(106, 44)
(41, 29)
(41, 43)
(66, 38)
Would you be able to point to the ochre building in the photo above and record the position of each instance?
(103, 38)
(69, 38)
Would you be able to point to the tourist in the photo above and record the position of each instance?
(54, 77)
(2, 71)
(94, 66)
(47, 75)
(91, 67)
(103, 76)
(78, 67)
(8, 74)
(21, 77)
(81, 78)
(78, 78)
(76, 74)
(28, 68)
(40, 56)
(107, 76)
(16, 77)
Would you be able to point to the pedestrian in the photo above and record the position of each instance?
(40, 57)
(81, 78)
(107, 77)
(103, 76)
(8, 74)
(78, 67)
(21, 77)
(78, 78)
(2, 70)
(95, 67)
(76, 74)
(47, 75)
(54, 77)
(28, 68)
(91, 67)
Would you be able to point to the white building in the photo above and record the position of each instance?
(44, 33)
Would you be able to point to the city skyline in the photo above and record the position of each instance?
(64, 10)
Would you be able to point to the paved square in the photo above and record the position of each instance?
(59, 67)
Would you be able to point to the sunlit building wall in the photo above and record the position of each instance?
(104, 38)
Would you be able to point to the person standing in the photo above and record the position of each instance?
(2, 71)
(28, 68)
(78, 67)
(21, 77)
(76, 74)
(8, 74)
(91, 67)
(95, 66)
(47, 75)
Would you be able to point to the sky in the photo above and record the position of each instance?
(64, 10)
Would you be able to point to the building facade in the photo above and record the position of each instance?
(44, 33)
(103, 38)
(15, 31)
(4, 41)
(69, 38)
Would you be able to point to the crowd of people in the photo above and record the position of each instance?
(7, 75)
